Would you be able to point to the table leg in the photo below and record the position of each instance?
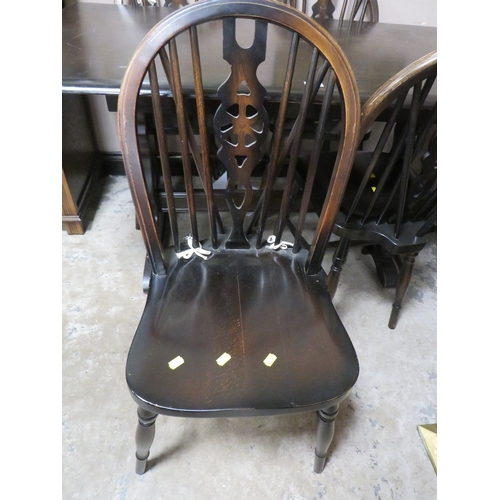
(81, 162)
(385, 264)
(71, 220)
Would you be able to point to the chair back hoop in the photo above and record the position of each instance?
(238, 159)
(417, 71)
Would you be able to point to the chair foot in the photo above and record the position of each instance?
(140, 465)
(393, 320)
(319, 464)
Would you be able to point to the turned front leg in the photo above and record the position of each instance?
(144, 436)
(324, 436)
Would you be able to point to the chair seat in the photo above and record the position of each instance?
(248, 305)
(382, 234)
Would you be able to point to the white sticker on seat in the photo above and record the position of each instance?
(223, 359)
(270, 359)
(176, 362)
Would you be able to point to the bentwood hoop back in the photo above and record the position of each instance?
(238, 320)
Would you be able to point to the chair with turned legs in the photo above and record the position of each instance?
(390, 202)
(238, 319)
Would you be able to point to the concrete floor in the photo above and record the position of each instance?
(377, 452)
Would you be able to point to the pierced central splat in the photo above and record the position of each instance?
(241, 122)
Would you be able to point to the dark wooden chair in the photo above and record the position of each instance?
(390, 202)
(359, 10)
(158, 3)
(350, 10)
(237, 321)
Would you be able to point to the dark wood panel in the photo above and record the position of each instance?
(81, 162)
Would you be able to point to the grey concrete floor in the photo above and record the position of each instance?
(377, 452)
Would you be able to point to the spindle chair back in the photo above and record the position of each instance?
(391, 199)
(238, 320)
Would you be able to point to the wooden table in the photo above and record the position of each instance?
(98, 41)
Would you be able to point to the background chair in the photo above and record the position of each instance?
(390, 202)
(237, 322)
(347, 10)
(155, 3)
(359, 10)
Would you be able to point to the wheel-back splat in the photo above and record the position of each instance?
(241, 122)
